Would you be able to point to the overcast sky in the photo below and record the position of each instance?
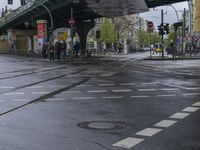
(169, 13)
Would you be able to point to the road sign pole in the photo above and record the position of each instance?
(162, 36)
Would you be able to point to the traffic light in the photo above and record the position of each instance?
(10, 2)
(23, 2)
(98, 34)
(160, 30)
(166, 28)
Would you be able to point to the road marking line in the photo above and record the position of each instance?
(20, 93)
(197, 104)
(179, 115)
(34, 87)
(169, 95)
(170, 89)
(21, 100)
(149, 83)
(143, 96)
(72, 92)
(127, 84)
(1, 101)
(106, 84)
(84, 85)
(126, 90)
(7, 87)
(98, 91)
(191, 94)
(128, 142)
(165, 123)
(40, 92)
(55, 99)
(149, 132)
(146, 90)
(83, 98)
(195, 88)
(113, 97)
(191, 109)
(57, 86)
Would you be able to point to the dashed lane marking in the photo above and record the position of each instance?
(19, 93)
(179, 115)
(197, 104)
(169, 95)
(125, 90)
(72, 92)
(191, 109)
(140, 96)
(21, 100)
(165, 123)
(106, 84)
(40, 92)
(83, 98)
(34, 87)
(194, 88)
(170, 89)
(146, 90)
(113, 97)
(128, 142)
(149, 132)
(127, 83)
(56, 99)
(84, 85)
(7, 87)
(191, 94)
(57, 86)
(98, 91)
(149, 83)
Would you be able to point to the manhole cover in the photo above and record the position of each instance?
(103, 125)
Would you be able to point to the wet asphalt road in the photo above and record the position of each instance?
(42, 104)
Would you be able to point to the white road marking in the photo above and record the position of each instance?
(57, 86)
(98, 91)
(191, 109)
(84, 85)
(125, 90)
(146, 90)
(140, 96)
(21, 100)
(19, 93)
(170, 89)
(194, 88)
(191, 94)
(179, 115)
(40, 92)
(108, 74)
(149, 132)
(169, 95)
(34, 87)
(7, 87)
(127, 83)
(165, 123)
(113, 97)
(1, 101)
(149, 83)
(197, 104)
(83, 98)
(55, 99)
(106, 84)
(72, 92)
(128, 142)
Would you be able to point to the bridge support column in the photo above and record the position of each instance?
(82, 29)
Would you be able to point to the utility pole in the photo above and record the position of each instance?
(183, 31)
(162, 35)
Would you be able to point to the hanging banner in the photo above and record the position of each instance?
(42, 32)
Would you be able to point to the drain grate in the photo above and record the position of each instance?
(103, 125)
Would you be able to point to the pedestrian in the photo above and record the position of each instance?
(44, 50)
(76, 48)
(63, 49)
(58, 49)
(51, 51)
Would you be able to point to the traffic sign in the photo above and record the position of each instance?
(71, 21)
(149, 24)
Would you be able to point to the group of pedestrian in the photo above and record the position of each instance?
(58, 50)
